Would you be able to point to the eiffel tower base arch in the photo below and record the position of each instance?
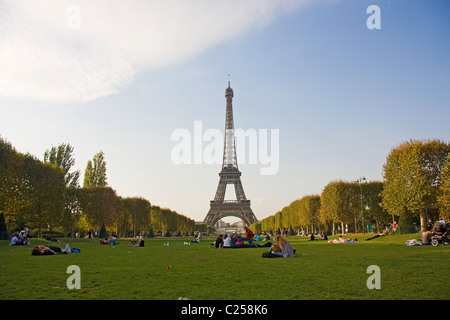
(239, 209)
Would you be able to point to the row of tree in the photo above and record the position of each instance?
(42, 194)
(415, 187)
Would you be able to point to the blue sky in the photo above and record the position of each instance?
(340, 95)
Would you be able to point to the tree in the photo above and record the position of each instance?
(156, 219)
(95, 173)
(340, 202)
(103, 233)
(72, 210)
(62, 156)
(44, 193)
(308, 211)
(12, 183)
(3, 231)
(371, 192)
(137, 211)
(412, 177)
(278, 222)
(99, 205)
(444, 197)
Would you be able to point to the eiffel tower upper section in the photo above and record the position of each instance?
(229, 151)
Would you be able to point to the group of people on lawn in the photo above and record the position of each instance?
(281, 247)
(20, 238)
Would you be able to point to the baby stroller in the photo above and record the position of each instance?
(437, 239)
(440, 233)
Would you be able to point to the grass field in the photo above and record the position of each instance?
(320, 270)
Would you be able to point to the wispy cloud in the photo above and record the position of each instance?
(61, 51)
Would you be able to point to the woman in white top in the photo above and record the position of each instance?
(227, 242)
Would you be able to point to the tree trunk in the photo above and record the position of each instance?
(423, 218)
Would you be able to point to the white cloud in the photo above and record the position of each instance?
(43, 58)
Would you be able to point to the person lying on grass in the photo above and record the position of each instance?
(386, 231)
(343, 240)
(49, 250)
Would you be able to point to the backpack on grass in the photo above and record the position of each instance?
(268, 255)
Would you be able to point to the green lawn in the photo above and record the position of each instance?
(320, 270)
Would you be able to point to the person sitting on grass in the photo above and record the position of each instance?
(15, 241)
(106, 241)
(233, 240)
(219, 242)
(426, 235)
(133, 242)
(284, 245)
(323, 236)
(197, 239)
(227, 241)
(240, 243)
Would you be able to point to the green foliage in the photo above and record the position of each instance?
(137, 213)
(95, 173)
(444, 197)
(62, 156)
(44, 193)
(3, 231)
(340, 202)
(308, 210)
(37, 194)
(103, 234)
(12, 183)
(412, 177)
(408, 223)
(416, 183)
(99, 205)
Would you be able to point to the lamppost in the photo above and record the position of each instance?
(362, 208)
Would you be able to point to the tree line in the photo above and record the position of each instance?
(415, 188)
(47, 195)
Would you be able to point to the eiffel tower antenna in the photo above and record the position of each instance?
(230, 174)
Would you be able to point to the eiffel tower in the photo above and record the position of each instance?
(230, 174)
